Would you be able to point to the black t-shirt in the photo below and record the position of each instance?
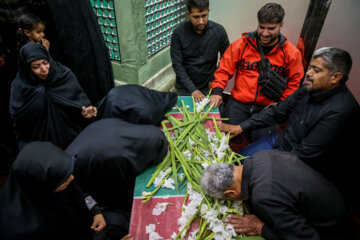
(267, 49)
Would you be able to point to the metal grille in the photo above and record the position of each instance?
(105, 12)
(161, 18)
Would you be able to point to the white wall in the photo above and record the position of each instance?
(341, 29)
(238, 16)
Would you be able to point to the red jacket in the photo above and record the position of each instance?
(242, 58)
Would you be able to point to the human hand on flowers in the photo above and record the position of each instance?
(233, 129)
(247, 224)
(215, 100)
(197, 95)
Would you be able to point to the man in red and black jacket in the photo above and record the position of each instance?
(242, 59)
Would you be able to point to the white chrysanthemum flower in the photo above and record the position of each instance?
(187, 154)
(220, 151)
(211, 136)
(204, 208)
(160, 208)
(150, 229)
(161, 176)
(220, 155)
(219, 236)
(145, 194)
(213, 146)
(193, 235)
(223, 209)
(169, 183)
(205, 165)
(210, 214)
(173, 235)
(155, 236)
(200, 105)
(190, 210)
(230, 229)
(181, 176)
(205, 153)
(238, 206)
(217, 226)
(192, 143)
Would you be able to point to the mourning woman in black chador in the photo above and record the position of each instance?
(110, 153)
(39, 199)
(47, 102)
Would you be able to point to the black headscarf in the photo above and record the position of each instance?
(50, 109)
(29, 208)
(110, 153)
(80, 46)
(136, 104)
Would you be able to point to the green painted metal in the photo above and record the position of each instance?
(105, 12)
(161, 18)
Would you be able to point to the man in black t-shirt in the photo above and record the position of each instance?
(195, 46)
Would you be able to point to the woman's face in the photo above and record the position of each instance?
(40, 68)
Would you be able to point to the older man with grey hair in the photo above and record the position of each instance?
(320, 118)
(289, 199)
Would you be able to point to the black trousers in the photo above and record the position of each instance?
(238, 112)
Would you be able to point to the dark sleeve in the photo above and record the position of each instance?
(178, 63)
(92, 205)
(217, 91)
(272, 114)
(322, 135)
(268, 233)
(283, 221)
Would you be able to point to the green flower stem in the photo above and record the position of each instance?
(165, 164)
(186, 227)
(151, 194)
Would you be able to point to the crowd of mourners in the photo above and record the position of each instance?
(73, 144)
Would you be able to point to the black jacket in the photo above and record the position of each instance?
(317, 124)
(293, 200)
(194, 56)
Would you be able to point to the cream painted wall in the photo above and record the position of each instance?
(238, 16)
(341, 29)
